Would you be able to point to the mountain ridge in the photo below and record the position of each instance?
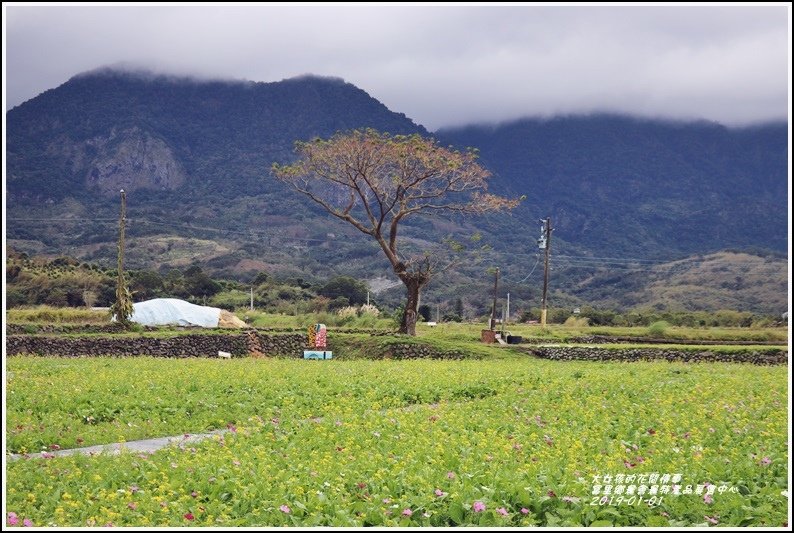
(196, 154)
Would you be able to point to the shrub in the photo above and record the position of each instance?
(658, 328)
(347, 312)
(369, 310)
(576, 322)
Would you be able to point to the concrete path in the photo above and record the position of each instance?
(152, 445)
(139, 446)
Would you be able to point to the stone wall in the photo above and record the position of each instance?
(421, 351)
(568, 353)
(189, 345)
(607, 339)
(242, 344)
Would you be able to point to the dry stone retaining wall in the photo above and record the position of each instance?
(569, 353)
(239, 345)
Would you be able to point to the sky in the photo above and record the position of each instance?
(444, 65)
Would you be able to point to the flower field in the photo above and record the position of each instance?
(509, 442)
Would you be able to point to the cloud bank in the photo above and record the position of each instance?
(443, 65)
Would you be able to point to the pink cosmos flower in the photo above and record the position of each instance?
(711, 519)
(450, 475)
(440, 493)
(502, 511)
(194, 493)
(386, 501)
(765, 461)
(189, 516)
(407, 512)
(132, 505)
(524, 510)
(285, 509)
(708, 499)
(12, 519)
(478, 507)
(27, 522)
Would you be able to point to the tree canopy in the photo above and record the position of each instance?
(374, 181)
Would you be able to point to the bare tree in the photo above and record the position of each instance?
(374, 181)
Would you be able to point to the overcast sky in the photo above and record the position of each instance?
(441, 66)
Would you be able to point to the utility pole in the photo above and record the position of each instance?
(252, 297)
(122, 307)
(507, 313)
(545, 241)
(122, 222)
(493, 308)
(438, 313)
(367, 298)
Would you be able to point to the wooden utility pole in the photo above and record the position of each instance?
(547, 237)
(493, 308)
(122, 220)
(122, 308)
(252, 298)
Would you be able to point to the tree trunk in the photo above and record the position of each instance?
(408, 324)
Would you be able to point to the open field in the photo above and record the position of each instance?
(556, 332)
(448, 330)
(508, 441)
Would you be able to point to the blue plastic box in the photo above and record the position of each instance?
(312, 354)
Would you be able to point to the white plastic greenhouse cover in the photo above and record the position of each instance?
(162, 311)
